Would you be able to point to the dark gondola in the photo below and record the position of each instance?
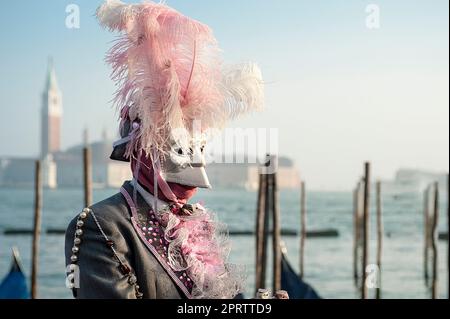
(14, 285)
(293, 284)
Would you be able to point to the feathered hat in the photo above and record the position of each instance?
(169, 74)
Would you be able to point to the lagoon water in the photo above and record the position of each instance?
(328, 265)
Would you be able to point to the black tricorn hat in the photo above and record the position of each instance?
(120, 147)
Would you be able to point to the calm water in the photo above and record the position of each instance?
(328, 261)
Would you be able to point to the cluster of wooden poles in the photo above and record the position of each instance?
(87, 177)
(361, 219)
(268, 206)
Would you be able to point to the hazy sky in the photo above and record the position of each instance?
(338, 92)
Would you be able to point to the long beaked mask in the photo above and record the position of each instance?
(183, 161)
(169, 73)
(185, 165)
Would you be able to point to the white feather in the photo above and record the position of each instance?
(244, 90)
(113, 14)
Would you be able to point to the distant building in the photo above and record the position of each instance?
(20, 171)
(51, 115)
(105, 172)
(414, 181)
(17, 172)
(247, 175)
(49, 172)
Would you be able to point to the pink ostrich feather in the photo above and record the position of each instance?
(169, 71)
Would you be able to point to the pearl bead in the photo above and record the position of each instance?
(83, 215)
(87, 210)
(77, 241)
(73, 267)
(79, 232)
(74, 258)
(70, 277)
(80, 223)
(75, 249)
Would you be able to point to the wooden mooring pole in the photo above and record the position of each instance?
(380, 232)
(36, 229)
(265, 238)
(276, 235)
(426, 223)
(87, 176)
(357, 224)
(302, 229)
(260, 231)
(434, 283)
(365, 221)
(448, 237)
(355, 235)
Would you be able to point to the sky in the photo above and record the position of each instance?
(338, 92)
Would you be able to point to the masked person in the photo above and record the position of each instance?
(173, 90)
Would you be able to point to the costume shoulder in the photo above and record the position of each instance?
(111, 213)
(97, 253)
(112, 210)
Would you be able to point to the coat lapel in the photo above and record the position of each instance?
(151, 233)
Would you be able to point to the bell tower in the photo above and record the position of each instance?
(51, 114)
